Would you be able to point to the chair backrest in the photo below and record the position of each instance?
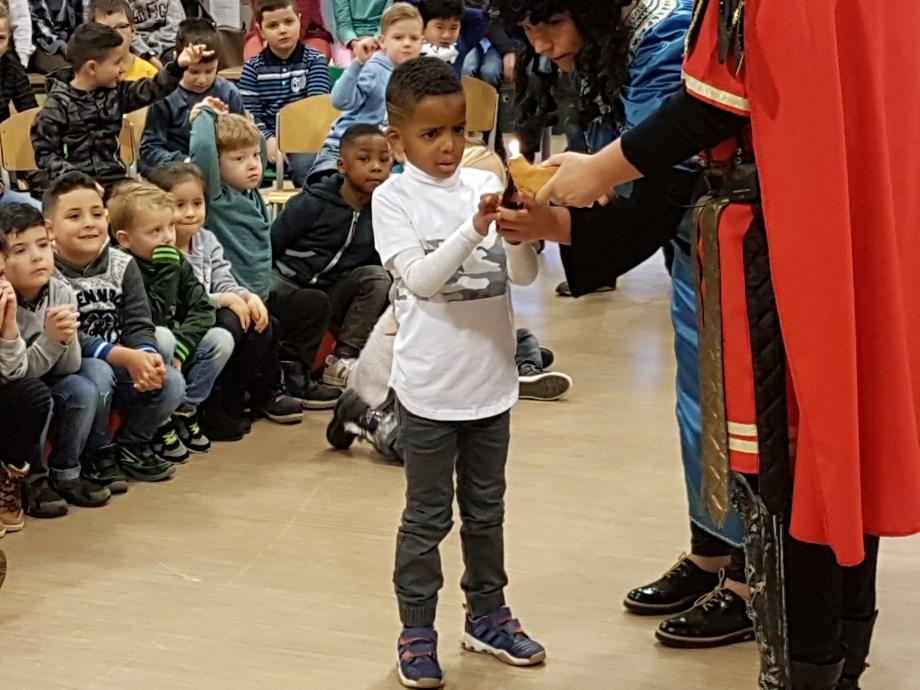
(16, 142)
(304, 125)
(481, 105)
(230, 49)
(129, 140)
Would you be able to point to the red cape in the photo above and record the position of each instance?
(834, 98)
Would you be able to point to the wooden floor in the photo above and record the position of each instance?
(267, 563)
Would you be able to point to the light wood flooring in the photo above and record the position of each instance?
(267, 563)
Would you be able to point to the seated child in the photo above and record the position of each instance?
(355, 21)
(360, 93)
(117, 336)
(253, 368)
(451, 30)
(313, 31)
(53, 23)
(79, 125)
(16, 89)
(324, 239)
(142, 217)
(21, 30)
(118, 15)
(453, 375)
(166, 134)
(157, 24)
(47, 317)
(284, 72)
(229, 150)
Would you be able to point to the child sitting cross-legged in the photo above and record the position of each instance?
(253, 367)
(324, 239)
(117, 336)
(142, 217)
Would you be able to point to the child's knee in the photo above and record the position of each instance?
(166, 343)
(77, 392)
(100, 373)
(218, 343)
(173, 391)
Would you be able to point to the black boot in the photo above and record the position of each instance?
(857, 635)
(815, 676)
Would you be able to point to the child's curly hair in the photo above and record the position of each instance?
(602, 66)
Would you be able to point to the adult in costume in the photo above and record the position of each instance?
(811, 377)
(624, 60)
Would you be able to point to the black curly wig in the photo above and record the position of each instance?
(601, 68)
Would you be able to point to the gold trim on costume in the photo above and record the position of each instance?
(711, 93)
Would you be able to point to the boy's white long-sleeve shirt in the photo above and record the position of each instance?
(454, 351)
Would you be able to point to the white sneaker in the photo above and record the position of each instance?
(338, 370)
(546, 385)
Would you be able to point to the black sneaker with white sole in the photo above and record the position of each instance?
(82, 492)
(188, 427)
(320, 396)
(142, 464)
(102, 468)
(283, 409)
(534, 384)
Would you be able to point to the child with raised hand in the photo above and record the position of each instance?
(360, 93)
(253, 367)
(48, 323)
(142, 218)
(454, 372)
(117, 336)
(78, 128)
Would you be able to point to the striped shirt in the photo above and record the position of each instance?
(269, 83)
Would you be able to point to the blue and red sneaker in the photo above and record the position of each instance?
(502, 636)
(418, 658)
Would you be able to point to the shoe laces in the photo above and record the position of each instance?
(675, 569)
(712, 598)
(170, 437)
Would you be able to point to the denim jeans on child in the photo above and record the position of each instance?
(486, 64)
(142, 412)
(477, 451)
(204, 365)
(75, 400)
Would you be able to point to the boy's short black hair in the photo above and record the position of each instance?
(441, 9)
(65, 184)
(16, 218)
(104, 8)
(195, 31)
(416, 79)
(92, 42)
(174, 173)
(263, 6)
(355, 132)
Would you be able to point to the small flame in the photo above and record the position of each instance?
(514, 148)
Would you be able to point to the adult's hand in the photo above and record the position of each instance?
(581, 180)
(535, 222)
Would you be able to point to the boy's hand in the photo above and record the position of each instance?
(364, 48)
(61, 323)
(156, 62)
(146, 369)
(271, 146)
(487, 214)
(9, 329)
(215, 104)
(238, 306)
(258, 311)
(192, 55)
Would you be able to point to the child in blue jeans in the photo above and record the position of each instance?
(117, 336)
(47, 320)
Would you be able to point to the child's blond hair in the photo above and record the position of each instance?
(235, 132)
(130, 199)
(398, 12)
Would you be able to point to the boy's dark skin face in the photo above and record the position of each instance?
(433, 136)
(366, 164)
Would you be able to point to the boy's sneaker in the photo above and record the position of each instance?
(40, 500)
(548, 357)
(142, 464)
(189, 429)
(82, 492)
(167, 445)
(534, 384)
(337, 371)
(11, 482)
(102, 468)
(319, 396)
(283, 409)
(418, 659)
(502, 636)
(348, 411)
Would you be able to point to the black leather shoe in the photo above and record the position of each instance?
(815, 676)
(718, 619)
(673, 592)
(857, 636)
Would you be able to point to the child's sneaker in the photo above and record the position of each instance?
(348, 411)
(548, 357)
(82, 492)
(502, 636)
(167, 445)
(337, 371)
(283, 409)
(534, 384)
(11, 481)
(189, 430)
(40, 500)
(418, 659)
(102, 468)
(142, 464)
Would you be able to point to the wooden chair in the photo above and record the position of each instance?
(16, 153)
(230, 48)
(481, 108)
(129, 139)
(302, 127)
